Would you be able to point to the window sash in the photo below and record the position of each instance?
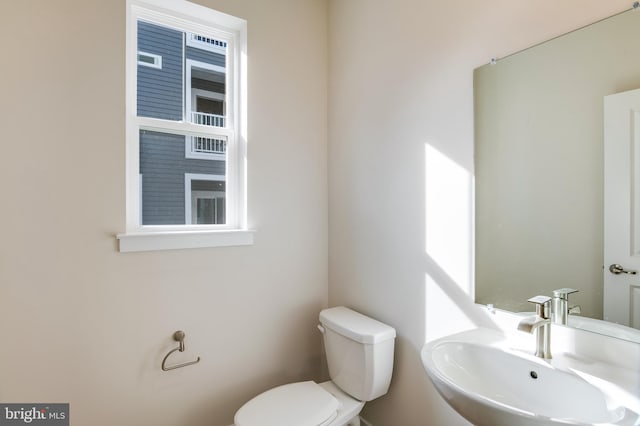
(190, 18)
(195, 130)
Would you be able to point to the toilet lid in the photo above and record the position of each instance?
(295, 404)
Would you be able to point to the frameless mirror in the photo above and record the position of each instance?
(539, 165)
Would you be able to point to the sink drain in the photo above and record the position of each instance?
(533, 374)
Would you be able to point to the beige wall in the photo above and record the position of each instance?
(84, 324)
(539, 165)
(401, 166)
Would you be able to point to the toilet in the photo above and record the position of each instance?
(359, 354)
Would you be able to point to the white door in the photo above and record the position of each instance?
(622, 208)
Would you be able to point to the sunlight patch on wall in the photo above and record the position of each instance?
(444, 313)
(449, 217)
(449, 292)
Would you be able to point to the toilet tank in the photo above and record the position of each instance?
(359, 352)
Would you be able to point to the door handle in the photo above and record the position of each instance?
(618, 269)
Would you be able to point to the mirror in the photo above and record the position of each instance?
(539, 164)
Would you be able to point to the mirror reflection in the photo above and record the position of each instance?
(539, 168)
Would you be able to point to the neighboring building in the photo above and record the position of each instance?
(181, 76)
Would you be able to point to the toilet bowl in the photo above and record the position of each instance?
(359, 354)
(302, 404)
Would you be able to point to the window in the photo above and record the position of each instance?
(186, 121)
(150, 60)
(204, 199)
(205, 89)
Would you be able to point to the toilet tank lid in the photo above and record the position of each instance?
(356, 326)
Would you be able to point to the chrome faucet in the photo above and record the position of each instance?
(540, 325)
(561, 310)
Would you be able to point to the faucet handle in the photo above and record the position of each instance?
(543, 305)
(563, 293)
(575, 309)
(539, 300)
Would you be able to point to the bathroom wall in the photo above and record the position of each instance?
(401, 166)
(85, 324)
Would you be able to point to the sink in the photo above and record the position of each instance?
(491, 384)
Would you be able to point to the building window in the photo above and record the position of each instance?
(150, 60)
(205, 199)
(186, 115)
(205, 93)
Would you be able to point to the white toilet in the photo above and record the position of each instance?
(360, 357)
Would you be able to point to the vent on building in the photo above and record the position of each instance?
(206, 43)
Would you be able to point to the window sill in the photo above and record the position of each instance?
(171, 240)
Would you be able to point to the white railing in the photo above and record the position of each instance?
(207, 119)
(208, 145)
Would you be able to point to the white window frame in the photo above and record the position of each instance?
(157, 60)
(189, 18)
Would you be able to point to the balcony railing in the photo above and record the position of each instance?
(207, 119)
(208, 145)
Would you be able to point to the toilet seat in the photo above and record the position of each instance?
(294, 404)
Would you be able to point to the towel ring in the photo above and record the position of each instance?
(178, 336)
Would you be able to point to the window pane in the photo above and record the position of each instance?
(207, 201)
(190, 84)
(146, 59)
(177, 189)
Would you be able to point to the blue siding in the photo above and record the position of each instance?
(163, 166)
(205, 56)
(160, 91)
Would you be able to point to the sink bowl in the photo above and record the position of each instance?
(492, 385)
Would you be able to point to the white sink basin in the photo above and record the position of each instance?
(493, 385)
